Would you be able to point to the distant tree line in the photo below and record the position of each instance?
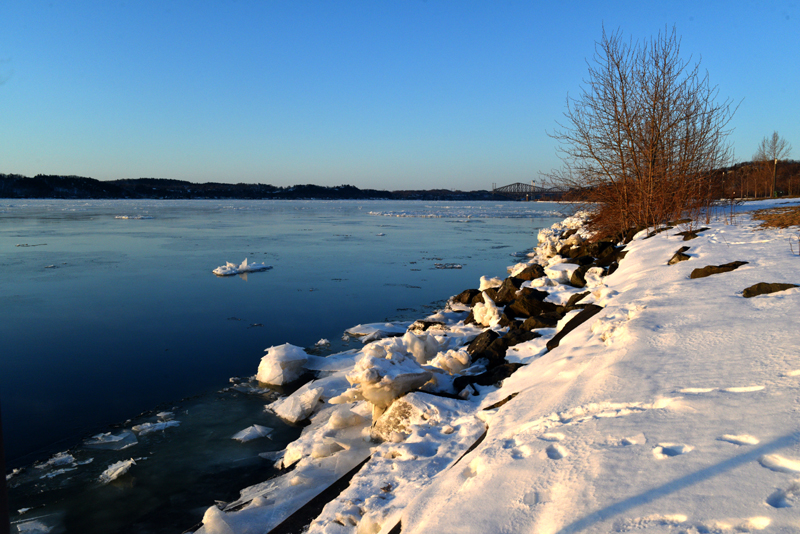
(55, 186)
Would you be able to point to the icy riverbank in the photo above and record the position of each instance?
(669, 406)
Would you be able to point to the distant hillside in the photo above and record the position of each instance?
(50, 186)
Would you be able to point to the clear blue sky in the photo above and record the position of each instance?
(380, 93)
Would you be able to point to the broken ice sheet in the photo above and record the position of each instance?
(147, 428)
(111, 441)
(116, 470)
(252, 432)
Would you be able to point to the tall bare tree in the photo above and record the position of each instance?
(769, 152)
(644, 136)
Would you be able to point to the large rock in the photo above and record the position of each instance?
(482, 342)
(679, 256)
(578, 276)
(528, 307)
(549, 320)
(532, 292)
(508, 290)
(691, 234)
(588, 312)
(515, 336)
(467, 296)
(716, 269)
(531, 272)
(764, 288)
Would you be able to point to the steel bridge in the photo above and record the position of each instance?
(520, 191)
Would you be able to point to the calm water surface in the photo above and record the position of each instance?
(103, 317)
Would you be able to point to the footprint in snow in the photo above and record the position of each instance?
(555, 451)
(743, 389)
(796, 372)
(785, 498)
(780, 464)
(668, 450)
(742, 439)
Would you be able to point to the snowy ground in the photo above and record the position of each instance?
(674, 409)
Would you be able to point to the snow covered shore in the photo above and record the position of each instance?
(612, 391)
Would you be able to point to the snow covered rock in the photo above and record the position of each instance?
(282, 364)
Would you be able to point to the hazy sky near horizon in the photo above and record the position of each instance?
(378, 94)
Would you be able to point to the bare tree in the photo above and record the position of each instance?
(770, 151)
(643, 138)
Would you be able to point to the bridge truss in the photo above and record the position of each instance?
(520, 191)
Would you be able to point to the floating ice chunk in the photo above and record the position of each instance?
(487, 283)
(253, 432)
(231, 268)
(165, 416)
(147, 428)
(322, 343)
(116, 470)
(34, 526)
(486, 312)
(53, 474)
(299, 405)
(282, 364)
(58, 460)
(136, 217)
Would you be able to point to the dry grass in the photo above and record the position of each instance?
(778, 217)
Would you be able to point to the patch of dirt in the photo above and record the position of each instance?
(778, 217)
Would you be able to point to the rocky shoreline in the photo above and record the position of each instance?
(410, 380)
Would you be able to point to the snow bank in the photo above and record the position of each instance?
(670, 410)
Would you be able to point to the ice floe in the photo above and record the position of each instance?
(116, 470)
(230, 269)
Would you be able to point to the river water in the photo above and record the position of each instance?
(109, 309)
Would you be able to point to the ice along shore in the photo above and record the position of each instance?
(584, 393)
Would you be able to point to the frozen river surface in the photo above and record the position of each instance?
(109, 309)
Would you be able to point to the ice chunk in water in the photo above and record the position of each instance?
(33, 526)
(231, 268)
(147, 428)
(116, 470)
(57, 460)
(282, 365)
(112, 442)
(253, 432)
